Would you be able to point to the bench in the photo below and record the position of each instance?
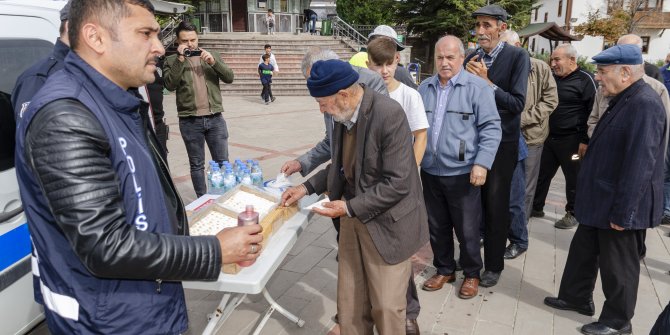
(298, 31)
(205, 30)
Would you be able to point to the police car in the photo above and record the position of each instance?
(28, 31)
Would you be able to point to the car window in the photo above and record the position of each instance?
(16, 55)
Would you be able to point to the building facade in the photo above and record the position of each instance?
(653, 16)
(248, 15)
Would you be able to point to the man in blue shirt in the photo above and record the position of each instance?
(462, 142)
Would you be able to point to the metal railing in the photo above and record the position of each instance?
(366, 29)
(348, 34)
(167, 34)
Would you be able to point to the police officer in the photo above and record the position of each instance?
(31, 80)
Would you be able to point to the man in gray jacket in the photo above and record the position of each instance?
(320, 154)
(462, 144)
(375, 190)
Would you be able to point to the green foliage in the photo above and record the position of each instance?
(610, 27)
(367, 12)
(435, 18)
(586, 65)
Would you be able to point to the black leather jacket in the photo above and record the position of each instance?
(89, 208)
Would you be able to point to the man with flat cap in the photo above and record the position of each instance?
(505, 68)
(374, 188)
(619, 195)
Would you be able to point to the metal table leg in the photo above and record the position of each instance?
(228, 303)
(274, 306)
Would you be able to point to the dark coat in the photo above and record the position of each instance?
(388, 197)
(621, 176)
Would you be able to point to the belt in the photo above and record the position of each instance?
(200, 116)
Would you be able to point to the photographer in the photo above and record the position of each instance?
(195, 73)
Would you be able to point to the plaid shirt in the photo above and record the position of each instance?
(490, 57)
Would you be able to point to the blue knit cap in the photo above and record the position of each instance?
(327, 77)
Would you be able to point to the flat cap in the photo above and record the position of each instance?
(627, 54)
(493, 11)
(65, 12)
(387, 31)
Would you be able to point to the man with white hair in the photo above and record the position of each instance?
(567, 130)
(541, 100)
(602, 101)
(618, 197)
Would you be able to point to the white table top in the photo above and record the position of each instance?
(252, 280)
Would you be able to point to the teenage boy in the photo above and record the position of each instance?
(383, 58)
(265, 73)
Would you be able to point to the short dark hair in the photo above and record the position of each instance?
(63, 26)
(184, 26)
(107, 13)
(267, 46)
(265, 57)
(382, 50)
(270, 11)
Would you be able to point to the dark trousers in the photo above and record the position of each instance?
(495, 201)
(453, 205)
(557, 152)
(197, 130)
(617, 255)
(267, 92)
(518, 231)
(413, 305)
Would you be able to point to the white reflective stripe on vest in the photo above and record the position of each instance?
(33, 266)
(62, 305)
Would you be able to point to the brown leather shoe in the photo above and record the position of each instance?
(436, 282)
(469, 288)
(411, 327)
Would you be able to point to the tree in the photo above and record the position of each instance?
(435, 18)
(367, 12)
(622, 18)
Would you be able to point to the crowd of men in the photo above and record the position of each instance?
(472, 151)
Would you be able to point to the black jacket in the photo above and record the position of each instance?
(576, 94)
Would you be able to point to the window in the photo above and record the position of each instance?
(560, 8)
(283, 6)
(546, 17)
(536, 10)
(645, 44)
(532, 45)
(15, 57)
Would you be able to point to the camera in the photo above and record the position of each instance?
(192, 53)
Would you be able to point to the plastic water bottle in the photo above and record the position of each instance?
(209, 168)
(257, 175)
(246, 177)
(246, 218)
(217, 181)
(229, 181)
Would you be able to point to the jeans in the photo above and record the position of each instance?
(312, 20)
(195, 131)
(266, 94)
(518, 232)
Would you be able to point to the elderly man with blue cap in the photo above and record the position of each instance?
(619, 195)
(374, 189)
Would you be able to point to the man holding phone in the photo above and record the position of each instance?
(195, 73)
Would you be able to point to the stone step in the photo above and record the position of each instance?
(257, 92)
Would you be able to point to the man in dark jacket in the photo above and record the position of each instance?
(31, 80)
(107, 224)
(619, 195)
(505, 68)
(567, 130)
